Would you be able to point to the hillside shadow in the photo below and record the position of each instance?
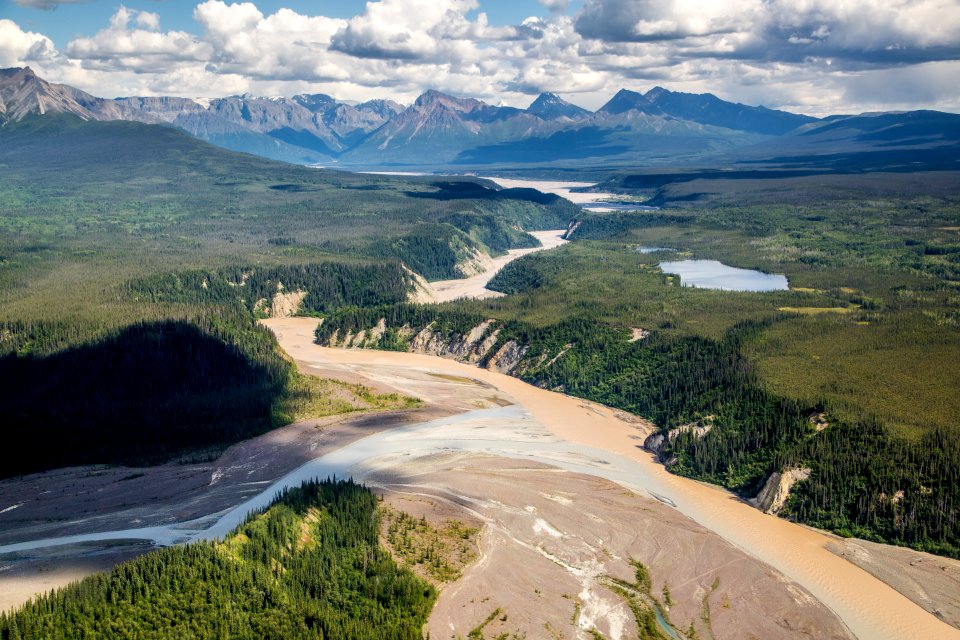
(139, 396)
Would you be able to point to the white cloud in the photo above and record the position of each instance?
(284, 45)
(415, 29)
(148, 20)
(141, 50)
(19, 47)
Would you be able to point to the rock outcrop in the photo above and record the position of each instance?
(776, 490)
(477, 262)
(287, 303)
(507, 357)
(482, 345)
(422, 292)
(656, 442)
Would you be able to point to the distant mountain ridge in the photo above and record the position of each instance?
(707, 109)
(655, 128)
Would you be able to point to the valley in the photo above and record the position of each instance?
(675, 367)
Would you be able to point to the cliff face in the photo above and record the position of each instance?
(656, 442)
(481, 345)
(776, 491)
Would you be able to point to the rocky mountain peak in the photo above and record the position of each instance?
(432, 98)
(625, 100)
(550, 106)
(314, 101)
(23, 93)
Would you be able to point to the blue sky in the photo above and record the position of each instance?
(816, 56)
(70, 20)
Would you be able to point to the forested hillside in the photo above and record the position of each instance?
(310, 566)
(134, 261)
(851, 374)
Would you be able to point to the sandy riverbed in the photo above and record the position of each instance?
(476, 286)
(550, 538)
(871, 609)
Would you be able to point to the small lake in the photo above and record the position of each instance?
(711, 274)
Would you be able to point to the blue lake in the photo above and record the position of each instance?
(710, 274)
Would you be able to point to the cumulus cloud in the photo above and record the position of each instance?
(19, 47)
(855, 32)
(417, 29)
(142, 50)
(284, 45)
(148, 20)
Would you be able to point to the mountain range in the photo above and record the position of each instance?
(659, 127)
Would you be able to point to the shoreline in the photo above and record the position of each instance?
(868, 606)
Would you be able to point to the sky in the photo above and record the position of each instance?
(809, 56)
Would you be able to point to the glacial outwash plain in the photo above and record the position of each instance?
(466, 320)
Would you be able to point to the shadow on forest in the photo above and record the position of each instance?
(141, 395)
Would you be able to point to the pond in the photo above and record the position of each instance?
(711, 274)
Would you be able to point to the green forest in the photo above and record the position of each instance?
(852, 373)
(310, 566)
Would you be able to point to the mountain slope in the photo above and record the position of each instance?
(656, 128)
(705, 108)
(437, 127)
(907, 141)
(23, 93)
(550, 106)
